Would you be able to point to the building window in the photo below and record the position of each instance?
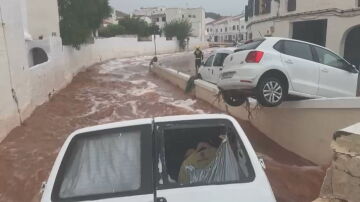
(291, 5)
(358, 3)
(164, 19)
(238, 27)
(207, 30)
(225, 29)
(183, 16)
(242, 26)
(38, 56)
(221, 30)
(217, 30)
(234, 27)
(157, 19)
(194, 16)
(189, 16)
(265, 6)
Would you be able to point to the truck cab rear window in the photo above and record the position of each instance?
(205, 156)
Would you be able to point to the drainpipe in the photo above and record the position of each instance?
(23, 9)
(13, 92)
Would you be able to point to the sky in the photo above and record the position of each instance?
(224, 7)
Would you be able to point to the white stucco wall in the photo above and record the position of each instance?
(16, 59)
(9, 112)
(64, 63)
(42, 18)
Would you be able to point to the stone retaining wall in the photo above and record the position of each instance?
(342, 181)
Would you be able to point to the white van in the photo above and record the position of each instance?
(196, 158)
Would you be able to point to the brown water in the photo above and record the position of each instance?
(118, 90)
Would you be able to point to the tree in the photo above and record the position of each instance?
(212, 15)
(138, 27)
(181, 29)
(79, 19)
(111, 31)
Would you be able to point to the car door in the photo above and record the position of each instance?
(337, 77)
(217, 67)
(298, 61)
(107, 163)
(205, 69)
(179, 143)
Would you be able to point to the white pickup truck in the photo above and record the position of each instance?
(195, 158)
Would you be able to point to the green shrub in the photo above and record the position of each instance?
(181, 29)
(79, 19)
(137, 26)
(111, 31)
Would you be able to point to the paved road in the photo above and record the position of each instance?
(117, 90)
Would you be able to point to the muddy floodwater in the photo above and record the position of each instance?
(123, 89)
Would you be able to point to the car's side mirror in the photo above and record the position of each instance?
(357, 68)
(353, 69)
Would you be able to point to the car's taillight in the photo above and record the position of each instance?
(254, 57)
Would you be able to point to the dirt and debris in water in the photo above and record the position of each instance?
(118, 90)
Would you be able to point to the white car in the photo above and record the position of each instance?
(272, 68)
(196, 158)
(211, 69)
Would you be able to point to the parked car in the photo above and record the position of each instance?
(211, 69)
(159, 160)
(271, 69)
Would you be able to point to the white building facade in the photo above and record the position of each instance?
(227, 29)
(160, 16)
(331, 23)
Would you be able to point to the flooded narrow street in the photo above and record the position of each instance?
(123, 89)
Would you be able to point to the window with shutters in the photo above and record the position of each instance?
(291, 5)
(251, 8)
(257, 7)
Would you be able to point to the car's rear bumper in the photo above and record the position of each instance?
(244, 78)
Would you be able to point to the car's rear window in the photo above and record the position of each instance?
(250, 45)
(101, 164)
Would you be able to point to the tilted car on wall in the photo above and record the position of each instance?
(196, 158)
(272, 69)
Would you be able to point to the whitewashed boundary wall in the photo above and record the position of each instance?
(33, 85)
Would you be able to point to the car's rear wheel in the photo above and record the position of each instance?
(233, 99)
(271, 92)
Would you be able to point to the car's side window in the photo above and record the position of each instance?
(328, 58)
(297, 49)
(105, 164)
(279, 46)
(203, 155)
(219, 59)
(209, 61)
